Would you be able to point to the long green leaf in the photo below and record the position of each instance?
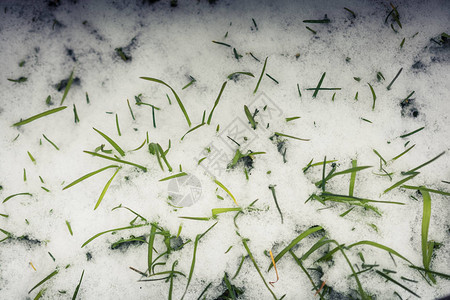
(216, 102)
(174, 176)
(18, 194)
(174, 93)
(114, 144)
(111, 230)
(396, 282)
(116, 160)
(216, 211)
(261, 76)
(422, 188)
(106, 188)
(295, 242)
(89, 175)
(66, 91)
(151, 241)
(426, 251)
(78, 287)
(399, 183)
(423, 165)
(43, 114)
(44, 280)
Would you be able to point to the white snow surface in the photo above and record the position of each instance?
(171, 44)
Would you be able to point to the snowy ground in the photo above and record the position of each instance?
(110, 44)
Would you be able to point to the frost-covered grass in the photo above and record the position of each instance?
(242, 149)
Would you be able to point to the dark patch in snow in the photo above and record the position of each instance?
(29, 241)
(409, 108)
(88, 256)
(63, 83)
(123, 244)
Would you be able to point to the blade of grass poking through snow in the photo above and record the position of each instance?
(44, 280)
(163, 156)
(216, 103)
(261, 76)
(292, 119)
(174, 93)
(295, 242)
(31, 157)
(326, 20)
(43, 114)
(290, 136)
(226, 190)
(191, 271)
(395, 78)
(48, 140)
(404, 152)
(190, 83)
(151, 241)
(69, 227)
(111, 230)
(240, 73)
(352, 179)
(66, 91)
(412, 132)
(374, 96)
(223, 44)
(116, 160)
(299, 262)
(396, 282)
(174, 176)
(379, 155)
(250, 117)
(272, 188)
(78, 287)
(131, 111)
(422, 188)
(171, 279)
(114, 144)
(192, 129)
(298, 89)
(427, 246)
(431, 272)
(244, 242)
(75, 114)
(217, 211)
(276, 81)
(350, 11)
(316, 90)
(229, 286)
(102, 195)
(18, 194)
(117, 125)
(89, 175)
(413, 171)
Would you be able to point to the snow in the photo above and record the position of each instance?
(171, 44)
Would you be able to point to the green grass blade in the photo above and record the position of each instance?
(216, 211)
(191, 271)
(151, 241)
(174, 93)
(131, 111)
(250, 117)
(299, 262)
(106, 188)
(396, 282)
(423, 165)
(226, 190)
(117, 125)
(66, 91)
(351, 188)
(163, 156)
(290, 136)
(174, 176)
(244, 242)
(216, 102)
(422, 188)
(431, 272)
(116, 160)
(171, 279)
(111, 230)
(399, 183)
(426, 253)
(412, 132)
(380, 246)
(240, 73)
(404, 152)
(89, 175)
(114, 144)
(18, 194)
(395, 78)
(192, 129)
(48, 140)
(43, 114)
(261, 76)
(316, 90)
(374, 96)
(69, 227)
(78, 287)
(295, 242)
(44, 280)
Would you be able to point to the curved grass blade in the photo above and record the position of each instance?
(396, 282)
(400, 182)
(226, 190)
(89, 175)
(106, 188)
(240, 73)
(216, 102)
(18, 194)
(114, 144)
(116, 160)
(191, 272)
(290, 136)
(431, 272)
(192, 129)
(44, 280)
(174, 176)
(295, 242)
(78, 287)
(48, 140)
(43, 114)
(261, 76)
(174, 93)
(374, 96)
(111, 230)
(244, 242)
(66, 91)
(427, 251)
